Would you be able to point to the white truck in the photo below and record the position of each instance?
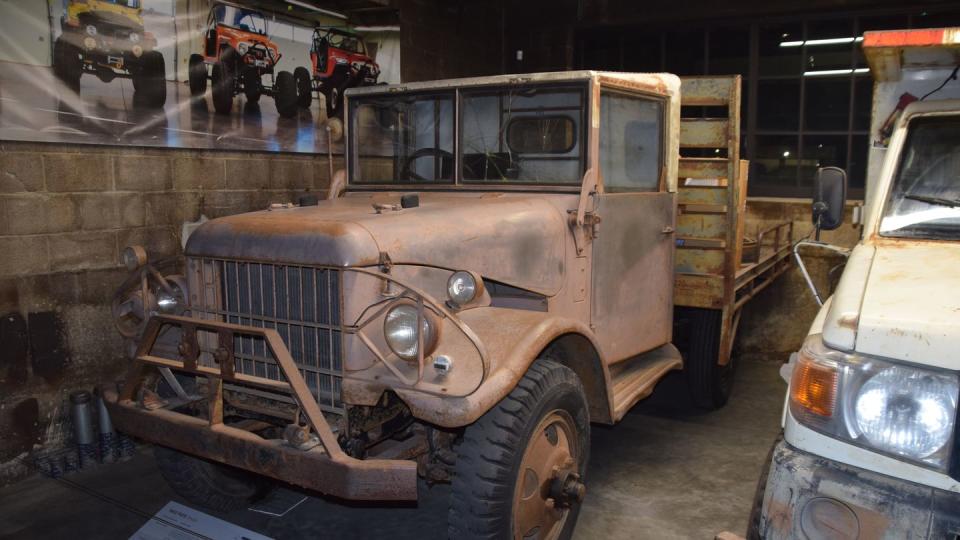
(870, 445)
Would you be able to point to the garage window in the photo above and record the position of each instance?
(631, 142)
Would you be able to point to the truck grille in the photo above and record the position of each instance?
(301, 303)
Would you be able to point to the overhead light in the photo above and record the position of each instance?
(815, 42)
(395, 28)
(312, 7)
(786, 153)
(831, 72)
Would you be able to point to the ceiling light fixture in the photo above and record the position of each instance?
(312, 7)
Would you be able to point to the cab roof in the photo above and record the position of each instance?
(659, 83)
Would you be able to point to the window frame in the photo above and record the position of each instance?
(664, 129)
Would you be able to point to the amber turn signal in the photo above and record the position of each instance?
(813, 386)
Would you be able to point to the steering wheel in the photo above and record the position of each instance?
(407, 172)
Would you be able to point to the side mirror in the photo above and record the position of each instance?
(829, 197)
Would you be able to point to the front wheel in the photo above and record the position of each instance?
(334, 102)
(197, 75)
(520, 467)
(285, 94)
(223, 85)
(215, 486)
(150, 83)
(304, 87)
(252, 85)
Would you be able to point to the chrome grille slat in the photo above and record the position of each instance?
(301, 303)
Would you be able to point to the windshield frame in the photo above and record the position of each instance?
(888, 196)
(586, 136)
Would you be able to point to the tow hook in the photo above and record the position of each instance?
(300, 437)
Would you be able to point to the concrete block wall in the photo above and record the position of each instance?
(66, 212)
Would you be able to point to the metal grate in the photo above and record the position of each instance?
(301, 303)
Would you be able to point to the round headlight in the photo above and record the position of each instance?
(91, 30)
(462, 288)
(401, 333)
(134, 257)
(134, 37)
(242, 48)
(906, 412)
(172, 302)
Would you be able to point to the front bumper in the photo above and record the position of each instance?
(323, 467)
(807, 496)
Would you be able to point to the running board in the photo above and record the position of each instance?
(634, 379)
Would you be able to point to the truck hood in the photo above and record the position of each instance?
(909, 303)
(517, 240)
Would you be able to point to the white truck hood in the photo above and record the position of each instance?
(901, 301)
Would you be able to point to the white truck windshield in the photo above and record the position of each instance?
(924, 201)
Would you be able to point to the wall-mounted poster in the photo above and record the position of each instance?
(209, 74)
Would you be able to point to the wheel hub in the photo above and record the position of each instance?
(548, 483)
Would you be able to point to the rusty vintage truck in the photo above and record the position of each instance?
(503, 262)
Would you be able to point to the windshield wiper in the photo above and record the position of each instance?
(939, 201)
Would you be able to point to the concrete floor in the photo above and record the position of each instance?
(666, 471)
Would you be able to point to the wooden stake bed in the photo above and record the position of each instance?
(711, 211)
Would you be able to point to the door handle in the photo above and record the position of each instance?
(667, 230)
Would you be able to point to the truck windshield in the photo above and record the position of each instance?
(924, 201)
(243, 19)
(517, 135)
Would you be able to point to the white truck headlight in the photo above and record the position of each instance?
(91, 30)
(242, 48)
(400, 330)
(905, 411)
(463, 287)
(134, 37)
(173, 301)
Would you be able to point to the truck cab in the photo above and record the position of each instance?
(493, 271)
(870, 446)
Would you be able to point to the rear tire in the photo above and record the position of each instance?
(197, 75)
(212, 485)
(150, 83)
(285, 94)
(304, 87)
(495, 476)
(710, 383)
(223, 85)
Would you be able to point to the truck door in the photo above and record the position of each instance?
(632, 289)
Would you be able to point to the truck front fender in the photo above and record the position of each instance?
(513, 339)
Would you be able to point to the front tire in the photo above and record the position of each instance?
(197, 75)
(520, 466)
(304, 87)
(150, 83)
(67, 65)
(285, 94)
(223, 85)
(209, 484)
(252, 85)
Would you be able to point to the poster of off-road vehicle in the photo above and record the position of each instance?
(207, 74)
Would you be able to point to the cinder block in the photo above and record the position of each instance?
(248, 173)
(143, 173)
(225, 203)
(171, 208)
(190, 173)
(23, 255)
(37, 213)
(20, 172)
(78, 172)
(110, 211)
(292, 174)
(158, 241)
(80, 251)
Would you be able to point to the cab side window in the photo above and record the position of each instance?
(631, 142)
